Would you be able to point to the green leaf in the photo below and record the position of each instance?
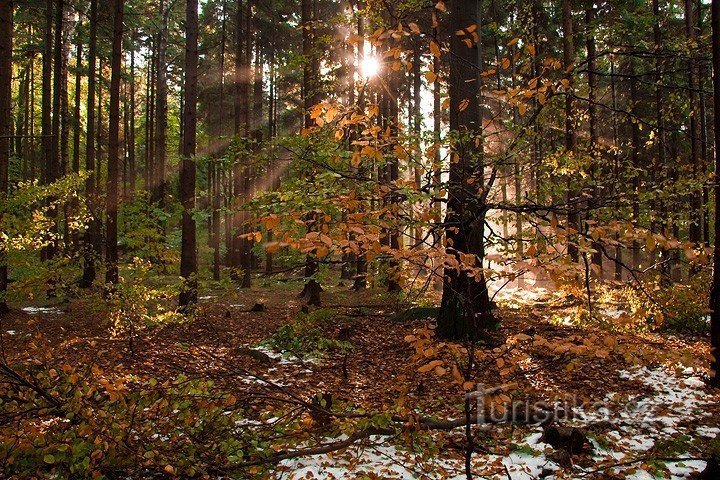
(49, 458)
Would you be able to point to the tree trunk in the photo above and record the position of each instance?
(217, 171)
(92, 229)
(593, 124)
(132, 167)
(77, 126)
(188, 256)
(437, 163)
(161, 111)
(695, 232)
(715, 292)
(6, 39)
(312, 287)
(111, 255)
(635, 159)
(570, 133)
(465, 311)
(360, 282)
(241, 245)
(660, 167)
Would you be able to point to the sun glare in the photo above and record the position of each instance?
(369, 67)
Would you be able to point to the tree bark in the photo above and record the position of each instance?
(6, 41)
(132, 167)
(111, 255)
(570, 134)
(695, 230)
(161, 110)
(92, 229)
(465, 311)
(312, 287)
(188, 257)
(715, 292)
(77, 126)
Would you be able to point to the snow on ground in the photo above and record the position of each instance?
(676, 407)
(47, 310)
(677, 410)
(385, 460)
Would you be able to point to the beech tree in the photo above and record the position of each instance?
(465, 305)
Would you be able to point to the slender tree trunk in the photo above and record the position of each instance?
(161, 110)
(570, 133)
(217, 171)
(27, 114)
(99, 146)
(150, 126)
(132, 167)
(77, 127)
(46, 101)
(240, 258)
(312, 287)
(6, 45)
(111, 256)
(33, 152)
(271, 95)
(635, 159)
(65, 124)
(702, 105)
(437, 163)
(593, 124)
(393, 175)
(695, 232)
(715, 292)
(361, 266)
(660, 167)
(92, 229)
(188, 257)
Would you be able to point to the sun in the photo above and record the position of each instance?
(369, 67)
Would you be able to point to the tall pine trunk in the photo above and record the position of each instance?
(6, 40)
(312, 287)
(715, 292)
(93, 228)
(111, 252)
(188, 256)
(161, 110)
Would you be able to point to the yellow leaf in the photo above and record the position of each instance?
(435, 49)
(441, 6)
(430, 77)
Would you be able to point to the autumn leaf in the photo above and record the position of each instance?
(430, 366)
(435, 49)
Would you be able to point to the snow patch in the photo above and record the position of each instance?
(47, 310)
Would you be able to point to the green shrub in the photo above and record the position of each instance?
(308, 335)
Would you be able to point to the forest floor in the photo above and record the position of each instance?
(638, 398)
